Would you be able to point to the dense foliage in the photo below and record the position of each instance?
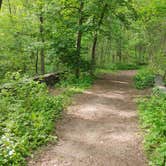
(78, 37)
(51, 35)
(144, 78)
(153, 120)
(72, 35)
(27, 116)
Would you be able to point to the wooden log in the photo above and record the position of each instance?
(50, 79)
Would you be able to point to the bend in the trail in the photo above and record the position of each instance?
(100, 128)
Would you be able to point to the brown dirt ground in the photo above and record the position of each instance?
(100, 128)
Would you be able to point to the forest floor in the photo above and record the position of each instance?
(100, 128)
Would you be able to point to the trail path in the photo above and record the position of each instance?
(100, 128)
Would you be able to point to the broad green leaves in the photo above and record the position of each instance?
(153, 120)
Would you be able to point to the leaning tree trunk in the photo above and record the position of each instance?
(93, 54)
(36, 62)
(0, 4)
(10, 9)
(42, 56)
(119, 50)
(79, 39)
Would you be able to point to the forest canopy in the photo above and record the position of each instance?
(44, 36)
(73, 41)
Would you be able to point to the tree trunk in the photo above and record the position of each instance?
(93, 54)
(113, 58)
(10, 9)
(42, 56)
(119, 53)
(0, 4)
(36, 63)
(79, 39)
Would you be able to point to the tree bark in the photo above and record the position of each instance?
(79, 39)
(36, 63)
(10, 9)
(93, 55)
(119, 50)
(0, 4)
(95, 38)
(42, 56)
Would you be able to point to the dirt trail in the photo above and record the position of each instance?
(100, 128)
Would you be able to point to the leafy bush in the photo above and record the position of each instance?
(70, 82)
(144, 78)
(27, 116)
(153, 120)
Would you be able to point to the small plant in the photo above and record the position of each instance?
(144, 79)
(153, 120)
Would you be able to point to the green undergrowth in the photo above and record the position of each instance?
(27, 116)
(152, 113)
(28, 113)
(75, 85)
(127, 66)
(100, 71)
(117, 66)
(144, 78)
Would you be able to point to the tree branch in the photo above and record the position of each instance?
(0, 4)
